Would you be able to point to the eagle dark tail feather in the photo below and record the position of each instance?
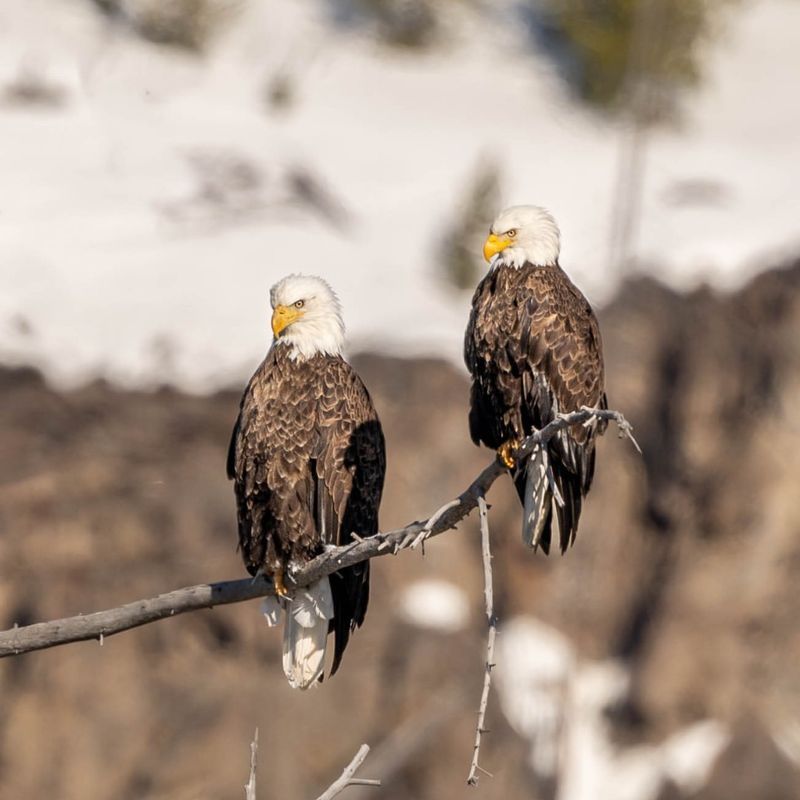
(536, 497)
(569, 513)
(350, 588)
(540, 493)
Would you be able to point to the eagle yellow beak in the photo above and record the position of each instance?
(493, 245)
(283, 317)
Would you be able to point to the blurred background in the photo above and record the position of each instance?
(163, 162)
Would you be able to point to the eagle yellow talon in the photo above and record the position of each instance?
(504, 453)
(280, 586)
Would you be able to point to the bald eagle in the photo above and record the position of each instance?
(533, 349)
(307, 458)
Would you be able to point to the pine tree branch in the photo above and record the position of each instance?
(101, 624)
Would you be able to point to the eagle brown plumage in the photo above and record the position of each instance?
(533, 349)
(308, 459)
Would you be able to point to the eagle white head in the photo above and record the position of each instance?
(306, 316)
(523, 234)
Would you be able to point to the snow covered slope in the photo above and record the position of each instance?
(143, 218)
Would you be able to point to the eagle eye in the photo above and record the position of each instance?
(511, 234)
(299, 303)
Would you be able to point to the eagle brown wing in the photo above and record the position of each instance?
(349, 471)
(561, 350)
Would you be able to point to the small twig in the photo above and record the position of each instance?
(414, 735)
(472, 778)
(250, 788)
(624, 427)
(346, 778)
(435, 517)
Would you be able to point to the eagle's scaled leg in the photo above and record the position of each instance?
(504, 453)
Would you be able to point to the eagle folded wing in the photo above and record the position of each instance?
(349, 471)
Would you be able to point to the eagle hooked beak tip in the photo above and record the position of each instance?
(282, 318)
(493, 245)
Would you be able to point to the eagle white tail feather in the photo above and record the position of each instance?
(538, 496)
(305, 633)
(271, 609)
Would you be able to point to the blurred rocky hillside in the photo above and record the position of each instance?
(686, 571)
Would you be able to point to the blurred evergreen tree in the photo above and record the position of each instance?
(402, 23)
(188, 24)
(605, 48)
(460, 250)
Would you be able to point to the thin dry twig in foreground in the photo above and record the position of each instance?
(339, 785)
(346, 778)
(472, 778)
(103, 624)
(250, 788)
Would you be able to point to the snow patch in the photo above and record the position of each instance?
(535, 666)
(558, 703)
(690, 754)
(119, 231)
(787, 738)
(436, 605)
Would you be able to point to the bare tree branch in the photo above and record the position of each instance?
(472, 778)
(346, 778)
(404, 742)
(250, 788)
(102, 624)
(340, 784)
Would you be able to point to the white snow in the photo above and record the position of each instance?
(557, 702)
(535, 668)
(690, 754)
(435, 604)
(787, 737)
(119, 255)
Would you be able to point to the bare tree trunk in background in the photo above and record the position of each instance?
(638, 99)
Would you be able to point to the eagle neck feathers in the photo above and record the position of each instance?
(319, 335)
